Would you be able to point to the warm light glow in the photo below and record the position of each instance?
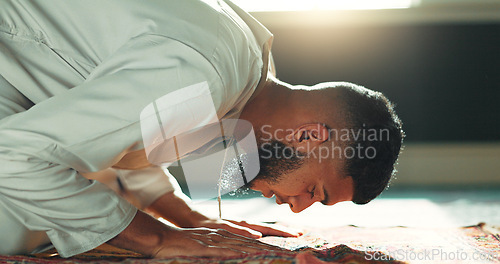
(301, 5)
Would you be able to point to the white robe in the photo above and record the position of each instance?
(74, 78)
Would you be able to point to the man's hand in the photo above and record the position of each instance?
(174, 207)
(246, 229)
(210, 242)
(149, 236)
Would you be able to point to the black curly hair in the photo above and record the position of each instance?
(366, 110)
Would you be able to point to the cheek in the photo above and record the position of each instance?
(294, 184)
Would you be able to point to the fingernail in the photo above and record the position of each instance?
(257, 234)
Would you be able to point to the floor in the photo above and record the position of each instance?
(433, 214)
(403, 207)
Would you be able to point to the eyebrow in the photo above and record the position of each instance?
(325, 193)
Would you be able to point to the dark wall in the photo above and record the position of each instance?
(445, 79)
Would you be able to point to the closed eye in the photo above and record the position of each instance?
(312, 192)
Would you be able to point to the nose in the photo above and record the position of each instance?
(299, 203)
(268, 194)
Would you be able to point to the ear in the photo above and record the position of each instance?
(309, 135)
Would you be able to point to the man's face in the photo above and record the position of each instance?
(298, 180)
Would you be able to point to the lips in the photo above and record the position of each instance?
(279, 201)
(268, 195)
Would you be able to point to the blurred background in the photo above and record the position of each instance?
(437, 60)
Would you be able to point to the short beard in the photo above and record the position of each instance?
(276, 160)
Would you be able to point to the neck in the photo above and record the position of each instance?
(268, 103)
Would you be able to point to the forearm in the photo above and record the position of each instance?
(174, 207)
(150, 237)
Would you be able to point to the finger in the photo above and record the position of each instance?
(269, 230)
(225, 237)
(240, 246)
(251, 247)
(219, 251)
(214, 241)
(220, 235)
(240, 230)
(243, 231)
(202, 230)
(276, 231)
(199, 248)
(225, 232)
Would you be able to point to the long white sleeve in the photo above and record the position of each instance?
(147, 185)
(90, 72)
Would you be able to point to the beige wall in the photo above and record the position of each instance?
(449, 164)
(425, 13)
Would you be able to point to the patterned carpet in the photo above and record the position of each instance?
(346, 244)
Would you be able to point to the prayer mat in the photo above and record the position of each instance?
(346, 244)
